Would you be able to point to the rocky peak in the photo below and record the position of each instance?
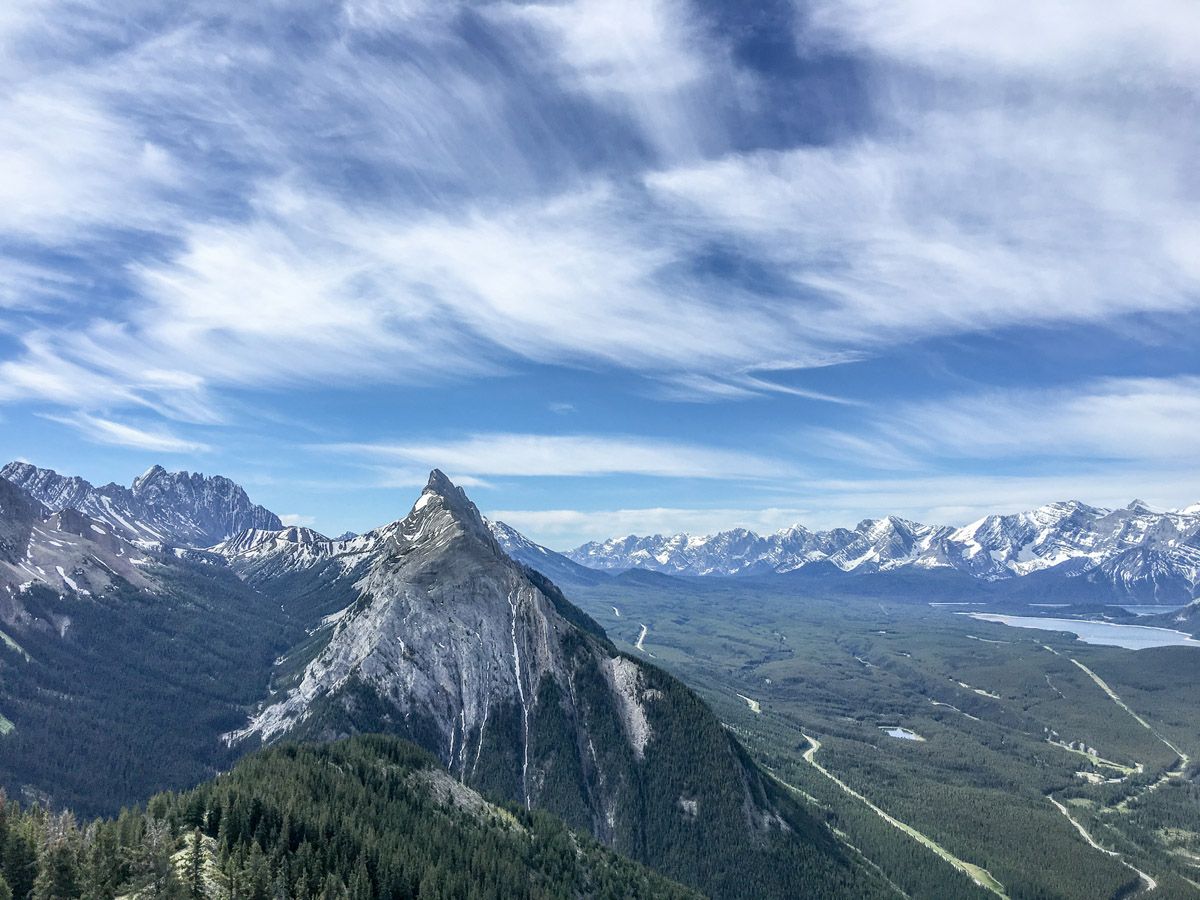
(148, 477)
(169, 507)
(446, 640)
(444, 510)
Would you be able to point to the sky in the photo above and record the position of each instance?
(613, 265)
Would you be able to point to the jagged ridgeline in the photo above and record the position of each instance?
(369, 817)
(447, 641)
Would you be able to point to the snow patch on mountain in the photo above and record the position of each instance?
(185, 508)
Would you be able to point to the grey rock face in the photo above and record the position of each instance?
(183, 508)
(450, 642)
(445, 616)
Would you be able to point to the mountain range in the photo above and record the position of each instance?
(121, 635)
(177, 615)
(1135, 552)
(183, 508)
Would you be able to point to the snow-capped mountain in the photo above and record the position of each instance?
(448, 641)
(64, 552)
(550, 563)
(890, 543)
(1136, 550)
(725, 553)
(182, 508)
(874, 545)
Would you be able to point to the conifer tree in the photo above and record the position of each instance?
(193, 867)
(58, 878)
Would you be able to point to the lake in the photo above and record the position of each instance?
(1132, 637)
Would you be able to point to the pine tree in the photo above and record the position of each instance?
(59, 875)
(256, 878)
(360, 881)
(20, 861)
(193, 867)
(153, 861)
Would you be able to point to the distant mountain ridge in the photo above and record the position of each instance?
(1135, 553)
(1142, 553)
(184, 508)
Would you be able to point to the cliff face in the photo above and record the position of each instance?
(449, 642)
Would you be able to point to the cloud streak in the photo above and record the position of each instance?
(559, 455)
(119, 434)
(1129, 419)
(972, 216)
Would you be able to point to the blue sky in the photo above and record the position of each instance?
(616, 266)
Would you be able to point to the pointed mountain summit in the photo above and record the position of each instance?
(449, 642)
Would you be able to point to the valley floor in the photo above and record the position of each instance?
(1065, 773)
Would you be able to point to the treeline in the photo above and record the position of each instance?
(369, 817)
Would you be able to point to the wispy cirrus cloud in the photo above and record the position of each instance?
(1130, 419)
(649, 60)
(100, 430)
(1064, 39)
(966, 222)
(566, 455)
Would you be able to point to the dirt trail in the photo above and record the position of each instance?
(1147, 880)
(1184, 758)
(978, 874)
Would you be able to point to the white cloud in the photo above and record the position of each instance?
(968, 208)
(966, 222)
(290, 519)
(67, 164)
(1056, 38)
(1134, 419)
(645, 58)
(622, 47)
(107, 431)
(529, 455)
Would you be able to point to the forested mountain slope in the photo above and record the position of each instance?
(371, 817)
